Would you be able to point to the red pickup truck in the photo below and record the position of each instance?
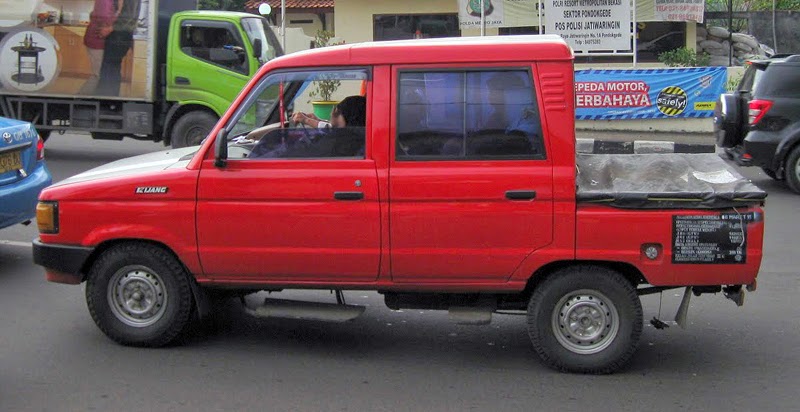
(447, 179)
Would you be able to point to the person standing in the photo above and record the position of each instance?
(117, 45)
(101, 24)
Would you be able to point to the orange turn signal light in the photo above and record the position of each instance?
(47, 217)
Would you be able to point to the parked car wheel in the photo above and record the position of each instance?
(585, 319)
(192, 128)
(792, 170)
(729, 120)
(139, 294)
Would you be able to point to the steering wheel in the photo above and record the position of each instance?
(306, 134)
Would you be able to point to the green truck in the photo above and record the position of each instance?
(176, 71)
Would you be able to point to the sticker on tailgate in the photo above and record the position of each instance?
(714, 239)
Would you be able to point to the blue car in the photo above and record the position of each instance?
(23, 173)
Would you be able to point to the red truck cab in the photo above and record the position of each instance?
(448, 179)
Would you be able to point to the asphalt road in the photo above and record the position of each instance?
(53, 358)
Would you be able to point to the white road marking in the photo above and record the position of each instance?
(15, 243)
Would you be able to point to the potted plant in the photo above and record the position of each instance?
(321, 95)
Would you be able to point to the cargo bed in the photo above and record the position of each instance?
(663, 181)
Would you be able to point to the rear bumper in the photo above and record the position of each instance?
(64, 263)
(762, 146)
(19, 199)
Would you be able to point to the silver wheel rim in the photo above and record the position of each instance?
(585, 322)
(137, 296)
(797, 169)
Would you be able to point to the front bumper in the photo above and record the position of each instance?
(64, 263)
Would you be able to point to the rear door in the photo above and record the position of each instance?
(471, 192)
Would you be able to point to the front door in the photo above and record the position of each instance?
(293, 204)
(208, 63)
(471, 192)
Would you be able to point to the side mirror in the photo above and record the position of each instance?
(257, 48)
(221, 145)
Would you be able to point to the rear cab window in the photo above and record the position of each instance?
(467, 114)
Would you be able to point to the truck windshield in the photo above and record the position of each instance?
(256, 28)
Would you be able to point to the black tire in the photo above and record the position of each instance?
(729, 120)
(152, 272)
(792, 170)
(192, 128)
(591, 293)
(771, 173)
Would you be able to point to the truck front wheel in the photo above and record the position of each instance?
(139, 294)
(585, 319)
(191, 128)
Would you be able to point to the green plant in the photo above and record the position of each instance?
(684, 57)
(733, 82)
(324, 88)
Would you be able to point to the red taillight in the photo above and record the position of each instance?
(758, 108)
(40, 149)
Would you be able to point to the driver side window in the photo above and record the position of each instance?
(216, 43)
(284, 117)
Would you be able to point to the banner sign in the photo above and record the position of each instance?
(588, 25)
(498, 13)
(680, 10)
(648, 93)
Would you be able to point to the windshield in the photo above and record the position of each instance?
(256, 28)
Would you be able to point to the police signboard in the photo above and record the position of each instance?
(648, 93)
(588, 25)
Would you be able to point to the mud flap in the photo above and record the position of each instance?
(683, 309)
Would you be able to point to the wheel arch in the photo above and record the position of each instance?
(785, 148)
(627, 270)
(201, 298)
(178, 110)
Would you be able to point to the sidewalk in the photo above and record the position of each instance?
(618, 136)
(591, 141)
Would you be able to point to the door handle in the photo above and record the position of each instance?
(182, 80)
(348, 195)
(521, 194)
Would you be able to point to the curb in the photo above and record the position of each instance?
(593, 146)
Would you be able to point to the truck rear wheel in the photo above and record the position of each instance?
(585, 319)
(192, 128)
(139, 295)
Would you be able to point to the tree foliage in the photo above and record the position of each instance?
(684, 57)
(752, 5)
(232, 5)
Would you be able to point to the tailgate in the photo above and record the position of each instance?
(658, 181)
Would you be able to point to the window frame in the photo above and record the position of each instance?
(213, 24)
(257, 89)
(528, 69)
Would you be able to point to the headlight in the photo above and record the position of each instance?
(47, 217)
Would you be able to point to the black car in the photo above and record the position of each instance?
(759, 123)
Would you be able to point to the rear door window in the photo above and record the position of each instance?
(468, 115)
